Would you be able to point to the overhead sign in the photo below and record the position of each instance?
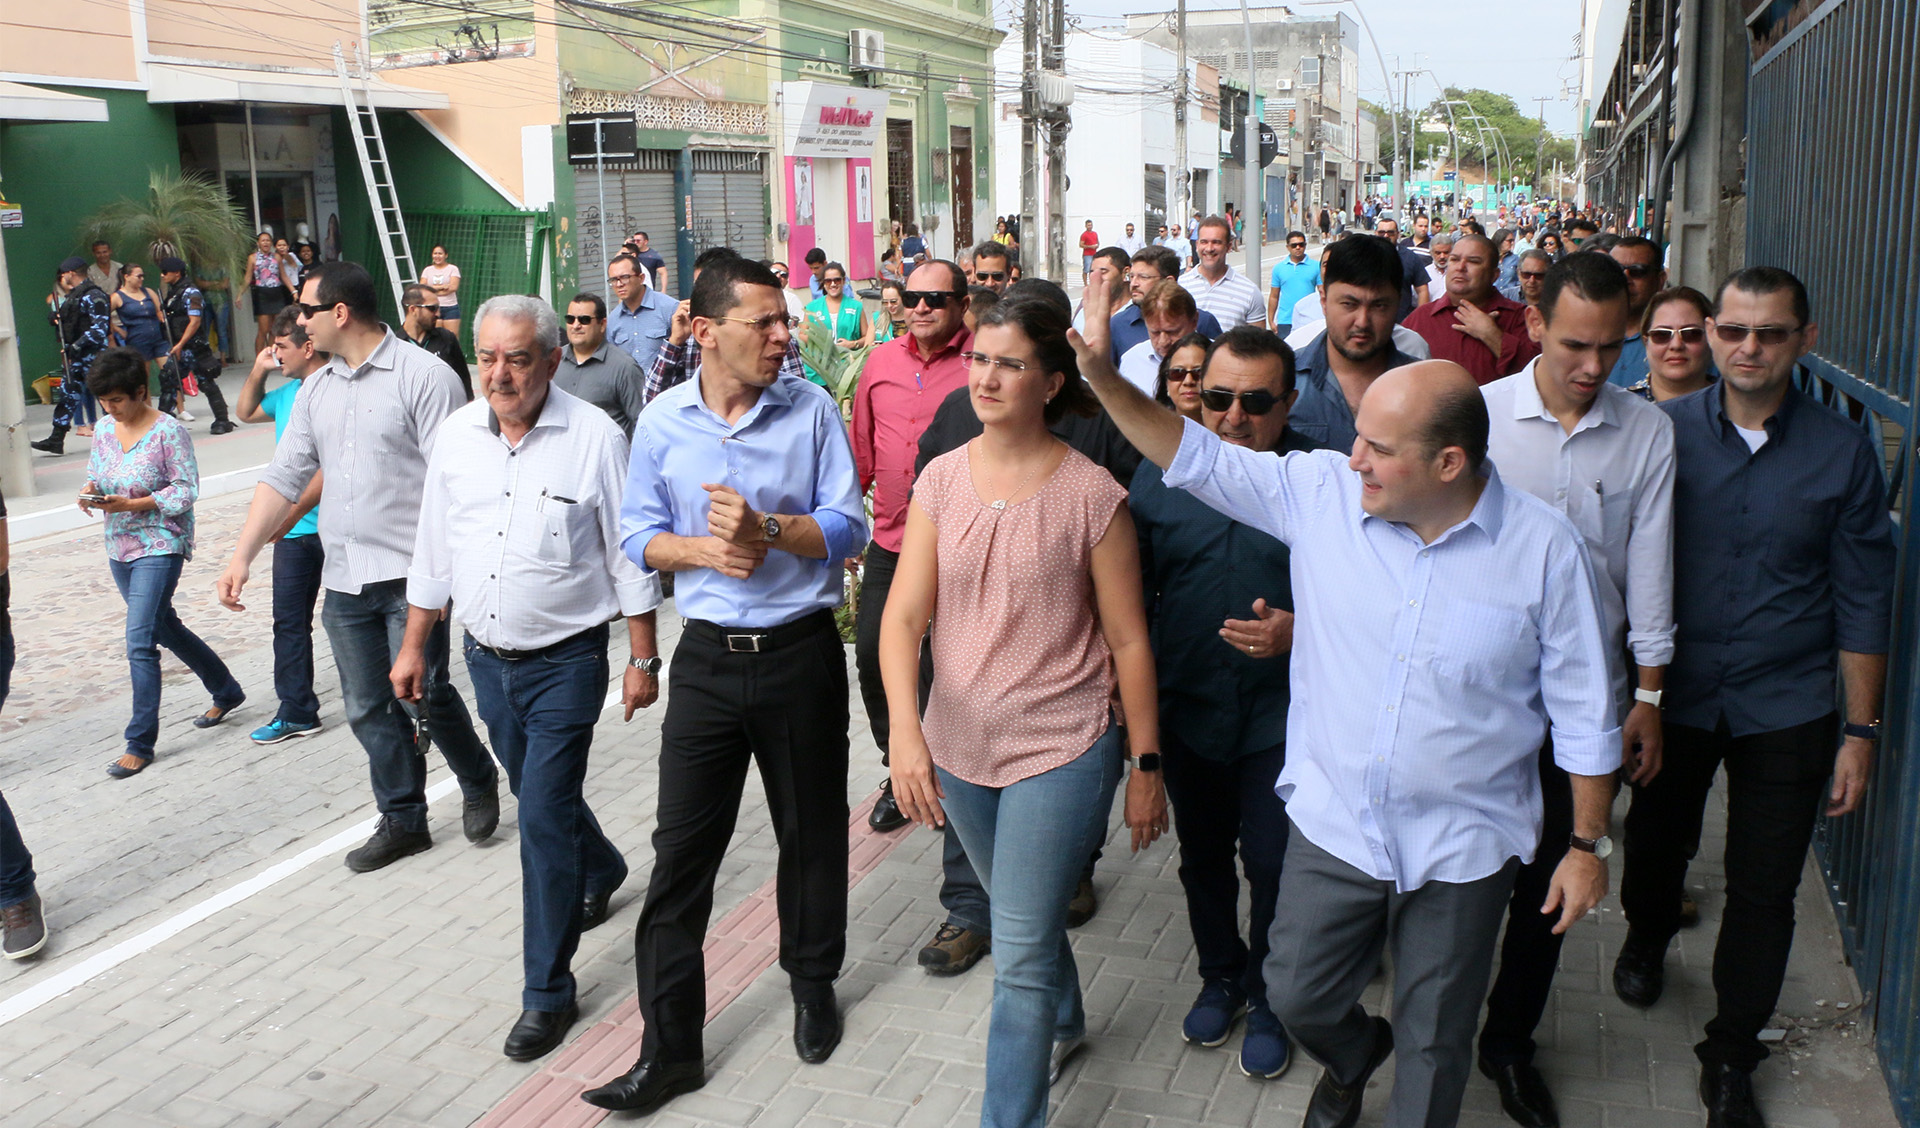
(602, 137)
(825, 120)
(1269, 144)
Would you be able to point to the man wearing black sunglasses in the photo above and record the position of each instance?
(1640, 258)
(595, 370)
(420, 321)
(1783, 575)
(990, 267)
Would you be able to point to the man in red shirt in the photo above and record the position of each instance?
(1089, 246)
(900, 389)
(1471, 324)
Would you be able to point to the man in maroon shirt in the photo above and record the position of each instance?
(901, 387)
(1471, 324)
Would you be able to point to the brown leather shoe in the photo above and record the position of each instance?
(953, 950)
(23, 929)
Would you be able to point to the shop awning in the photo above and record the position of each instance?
(177, 82)
(30, 103)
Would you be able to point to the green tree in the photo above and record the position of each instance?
(189, 215)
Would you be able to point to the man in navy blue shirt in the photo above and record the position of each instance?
(743, 482)
(1783, 576)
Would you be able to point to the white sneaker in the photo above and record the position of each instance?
(183, 415)
(1058, 1059)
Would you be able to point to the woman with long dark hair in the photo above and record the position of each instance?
(267, 285)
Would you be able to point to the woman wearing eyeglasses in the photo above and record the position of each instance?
(1021, 554)
(1550, 243)
(1678, 360)
(836, 314)
(1179, 383)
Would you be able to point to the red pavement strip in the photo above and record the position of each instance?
(743, 944)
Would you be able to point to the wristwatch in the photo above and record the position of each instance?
(771, 527)
(1599, 847)
(1864, 732)
(1650, 696)
(647, 666)
(1147, 762)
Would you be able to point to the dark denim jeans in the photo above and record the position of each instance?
(16, 863)
(147, 585)
(540, 714)
(365, 630)
(296, 585)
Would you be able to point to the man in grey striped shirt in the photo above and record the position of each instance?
(1217, 288)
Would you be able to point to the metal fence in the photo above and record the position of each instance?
(1833, 130)
(498, 252)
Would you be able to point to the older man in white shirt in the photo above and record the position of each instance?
(520, 528)
(1422, 696)
(1604, 457)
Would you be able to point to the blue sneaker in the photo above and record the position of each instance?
(280, 730)
(1220, 1003)
(1265, 1052)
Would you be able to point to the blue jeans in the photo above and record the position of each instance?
(540, 714)
(16, 862)
(1030, 841)
(296, 585)
(365, 630)
(147, 585)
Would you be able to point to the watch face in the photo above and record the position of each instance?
(1602, 847)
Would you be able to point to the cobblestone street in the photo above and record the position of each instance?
(213, 963)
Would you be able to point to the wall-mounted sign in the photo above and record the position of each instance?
(11, 215)
(825, 120)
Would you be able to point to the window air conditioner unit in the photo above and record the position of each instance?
(866, 49)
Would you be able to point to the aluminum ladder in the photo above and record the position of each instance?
(376, 173)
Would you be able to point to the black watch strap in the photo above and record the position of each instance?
(1147, 762)
(1864, 732)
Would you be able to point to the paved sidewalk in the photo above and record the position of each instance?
(332, 998)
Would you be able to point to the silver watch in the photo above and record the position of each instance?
(647, 666)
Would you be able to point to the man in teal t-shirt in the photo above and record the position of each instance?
(1294, 277)
(297, 555)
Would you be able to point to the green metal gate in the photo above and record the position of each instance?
(498, 252)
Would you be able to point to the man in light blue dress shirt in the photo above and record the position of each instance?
(639, 317)
(1422, 694)
(743, 482)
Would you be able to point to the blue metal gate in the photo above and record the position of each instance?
(1833, 137)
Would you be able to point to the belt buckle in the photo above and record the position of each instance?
(744, 643)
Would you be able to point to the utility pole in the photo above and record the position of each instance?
(1030, 133)
(1183, 175)
(1540, 147)
(1250, 185)
(1057, 126)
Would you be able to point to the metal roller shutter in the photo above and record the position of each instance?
(639, 198)
(730, 201)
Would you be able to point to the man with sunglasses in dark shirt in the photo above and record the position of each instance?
(1783, 563)
(1640, 258)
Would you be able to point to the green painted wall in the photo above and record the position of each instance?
(61, 172)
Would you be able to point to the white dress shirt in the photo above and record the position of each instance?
(1422, 689)
(526, 539)
(1613, 478)
(1141, 367)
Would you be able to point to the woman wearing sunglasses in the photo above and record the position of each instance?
(1022, 554)
(833, 312)
(1678, 360)
(894, 323)
(1179, 383)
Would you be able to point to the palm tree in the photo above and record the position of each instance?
(188, 214)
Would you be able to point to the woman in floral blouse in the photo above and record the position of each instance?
(142, 475)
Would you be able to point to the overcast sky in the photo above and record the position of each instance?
(1521, 48)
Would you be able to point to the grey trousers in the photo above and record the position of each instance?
(1326, 942)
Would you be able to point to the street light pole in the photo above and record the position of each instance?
(1250, 204)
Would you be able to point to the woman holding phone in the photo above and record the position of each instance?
(142, 475)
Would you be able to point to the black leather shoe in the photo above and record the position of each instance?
(216, 714)
(538, 1032)
(1727, 1092)
(595, 910)
(480, 817)
(886, 814)
(1523, 1094)
(647, 1086)
(1640, 973)
(388, 845)
(55, 443)
(221, 427)
(1338, 1106)
(816, 1029)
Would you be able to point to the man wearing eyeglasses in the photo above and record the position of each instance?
(903, 384)
(593, 370)
(1220, 603)
(1640, 258)
(742, 483)
(1783, 574)
(990, 267)
(640, 318)
(1294, 277)
(420, 321)
(1603, 457)
(1150, 266)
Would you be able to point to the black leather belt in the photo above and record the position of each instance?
(506, 655)
(758, 640)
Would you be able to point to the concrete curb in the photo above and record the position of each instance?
(67, 517)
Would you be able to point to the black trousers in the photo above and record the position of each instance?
(1776, 784)
(785, 710)
(1530, 954)
(876, 580)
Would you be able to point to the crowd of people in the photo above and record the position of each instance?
(1160, 543)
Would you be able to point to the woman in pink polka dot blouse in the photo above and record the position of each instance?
(1021, 554)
